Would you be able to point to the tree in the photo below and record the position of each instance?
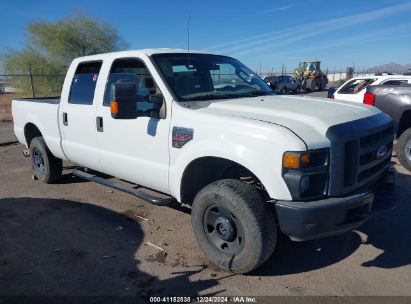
(52, 46)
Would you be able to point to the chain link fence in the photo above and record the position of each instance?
(26, 86)
(31, 85)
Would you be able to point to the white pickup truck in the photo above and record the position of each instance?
(203, 129)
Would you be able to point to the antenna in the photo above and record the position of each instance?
(188, 43)
(188, 38)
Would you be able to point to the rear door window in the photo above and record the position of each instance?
(84, 82)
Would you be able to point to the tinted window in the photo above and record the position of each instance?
(270, 78)
(132, 70)
(84, 83)
(395, 82)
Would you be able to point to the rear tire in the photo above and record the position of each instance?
(47, 168)
(233, 226)
(310, 85)
(404, 149)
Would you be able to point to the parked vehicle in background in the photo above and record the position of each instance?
(2, 86)
(355, 88)
(283, 84)
(205, 130)
(395, 100)
(331, 91)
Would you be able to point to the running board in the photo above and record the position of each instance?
(124, 188)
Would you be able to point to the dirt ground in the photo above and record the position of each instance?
(81, 238)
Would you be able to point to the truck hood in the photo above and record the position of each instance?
(309, 118)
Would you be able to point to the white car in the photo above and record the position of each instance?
(205, 130)
(354, 89)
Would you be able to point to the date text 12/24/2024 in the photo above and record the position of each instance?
(205, 299)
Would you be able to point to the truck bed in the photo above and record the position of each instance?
(52, 100)
(43, 113)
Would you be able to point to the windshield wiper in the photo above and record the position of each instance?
(206, 97)
(258, 93)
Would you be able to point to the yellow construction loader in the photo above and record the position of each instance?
(310, 75)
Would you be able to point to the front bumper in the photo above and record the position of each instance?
(303, 221)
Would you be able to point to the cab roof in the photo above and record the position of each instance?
(147, 52)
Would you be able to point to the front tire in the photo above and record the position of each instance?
(404, 149)
(47, 168)
(233, 226)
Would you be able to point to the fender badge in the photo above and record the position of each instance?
(181, 136)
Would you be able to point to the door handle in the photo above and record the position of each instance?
(65, 119)
(99, 123)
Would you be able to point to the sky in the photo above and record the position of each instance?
(260, 33)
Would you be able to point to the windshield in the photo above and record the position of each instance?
(204, 77)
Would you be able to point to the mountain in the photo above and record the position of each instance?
(390, 68)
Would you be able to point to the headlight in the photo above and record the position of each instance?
(306, 173)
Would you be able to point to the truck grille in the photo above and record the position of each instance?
(359, 157)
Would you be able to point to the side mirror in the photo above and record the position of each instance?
(150, 86)
(124, 100)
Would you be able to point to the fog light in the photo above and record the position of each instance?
(304, 183)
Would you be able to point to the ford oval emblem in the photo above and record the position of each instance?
(381, 152)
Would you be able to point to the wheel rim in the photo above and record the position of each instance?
(223, 230)
(408, 150)
(38, 163)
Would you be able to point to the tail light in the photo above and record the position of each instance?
(332, 97)
(369, 99)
